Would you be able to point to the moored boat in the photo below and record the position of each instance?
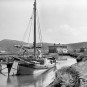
(30, 68)
(37, 65)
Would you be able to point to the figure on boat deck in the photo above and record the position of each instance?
(39, 53)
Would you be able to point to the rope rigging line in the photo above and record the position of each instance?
(25, 34)
(29, 27)
(39, 28)
(30, 30)
(29, 23)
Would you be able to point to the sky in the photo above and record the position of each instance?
(61, 21)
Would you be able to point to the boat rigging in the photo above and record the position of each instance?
(33, 64)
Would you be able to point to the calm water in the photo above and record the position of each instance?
(34, 81)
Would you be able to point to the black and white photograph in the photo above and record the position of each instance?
(43, 43)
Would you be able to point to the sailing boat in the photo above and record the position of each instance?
(34, 65)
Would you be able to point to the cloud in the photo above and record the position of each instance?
(68, 29)
(66, 34)
(62, 21)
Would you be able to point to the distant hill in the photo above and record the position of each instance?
(8, 45)
(77, 45)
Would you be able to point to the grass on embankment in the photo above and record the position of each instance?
(73, 76)
(67, 77)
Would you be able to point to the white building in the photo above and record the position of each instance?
(58, 48)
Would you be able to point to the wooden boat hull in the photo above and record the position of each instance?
(32, 69)
(29, 71)
(26, 69)
(17, 68)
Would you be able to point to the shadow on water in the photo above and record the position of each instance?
(42, 80)
(32, 81)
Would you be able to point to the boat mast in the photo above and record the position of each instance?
(35, 28)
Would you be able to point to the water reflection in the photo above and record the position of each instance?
(70, 61)
(32, 81)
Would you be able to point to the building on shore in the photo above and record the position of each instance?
(58, 48)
